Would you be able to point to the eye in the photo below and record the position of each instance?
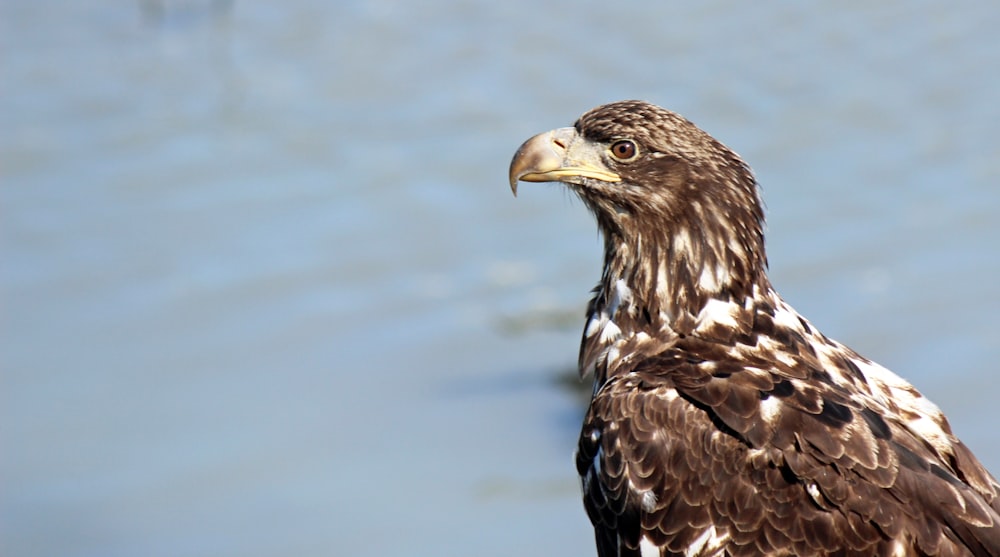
(624, 149)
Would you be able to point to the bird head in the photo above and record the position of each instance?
(660, 188)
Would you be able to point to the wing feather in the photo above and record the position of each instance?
(681, 451)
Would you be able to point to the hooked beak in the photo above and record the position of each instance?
(558, 156)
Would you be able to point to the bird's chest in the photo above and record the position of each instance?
(610, 328)
(607, 347)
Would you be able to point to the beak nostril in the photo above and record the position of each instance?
(546, 157)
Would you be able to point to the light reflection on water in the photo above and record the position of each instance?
(265, 291)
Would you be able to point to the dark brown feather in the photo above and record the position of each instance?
(722, 422)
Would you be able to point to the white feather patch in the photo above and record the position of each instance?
(891, 390)
(647, 548)
(787, 317)
(611, 355)
(595, 324)
(621, 295)
(611, 332)
(709, 280)
(682, 241)
(717, 311)
(813, 490)
(662, 285)
(708, 543)
(648, 501)
(770, 409)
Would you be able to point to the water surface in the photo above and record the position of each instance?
(265, 290)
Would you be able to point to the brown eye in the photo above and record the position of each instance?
(623, 149)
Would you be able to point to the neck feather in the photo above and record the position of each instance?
(661, 288)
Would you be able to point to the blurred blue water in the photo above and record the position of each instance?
(257, 258)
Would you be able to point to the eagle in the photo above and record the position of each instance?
(722, 422)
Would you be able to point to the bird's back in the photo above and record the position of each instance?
(750, 461)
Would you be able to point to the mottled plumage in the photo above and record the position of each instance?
(722, 422)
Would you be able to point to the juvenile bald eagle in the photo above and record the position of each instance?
(722, 422)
